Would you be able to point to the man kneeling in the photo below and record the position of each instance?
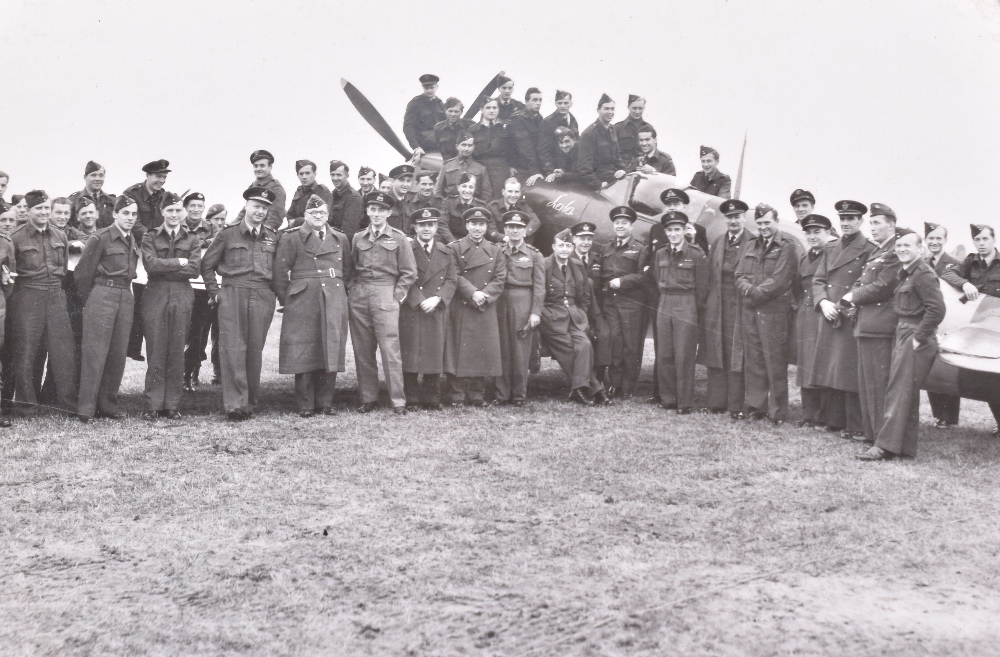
(564, 322)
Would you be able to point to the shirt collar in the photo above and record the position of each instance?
(245, 228)
(910, 266)
(731, 237)
(989, 259)
(36, 231)
(116, 233)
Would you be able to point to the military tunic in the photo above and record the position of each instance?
(764, 279)
(384, 270)
(310, 279)
(874, 328)
(624, 309)
(725, 384)
(627, 132)
(599, 155)
(275, 211)
(506, 110)
(718, 184)
(104, 282)
(493, 147)
(451, 173)
(524, 126)
(245, 306)
(452, 209)
(446, 136)
(347, 212)
(422, 335)
(659, 160)
(147, 207)
(523, 295)
(682, 278)
(472, 350)
(564, 326)
(40, 323)
(297, 208)
(547, 145)
(495, 231)
(422, 114)
(105, 204)
(166, 311)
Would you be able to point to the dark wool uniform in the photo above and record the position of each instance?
(569, 165)
(310, 278)
(719, 184)
(624, 309)
(547, 146)
(451, 174)
(807, 321)
(40, 321)
(874, 328)
(347, 211)
(104, 282)
(493, 150)
(920, 308)
(472, 350)
(446, 135)
(599, 334)
(204, 316)
(276, 211)
(599, 155)
(148, 204)
(506, 110)
(166, 311)
(422, 335)
(657, 159)
(682, 278)
(523, 295)
(764, 279)
(834, 361)
(452, 209)
(945, 407)
(399, 213)
(725, 384)
(627, 132)
(105, 204)
(422, 114)
(495, 231)
(246, 307)
(384, 270)
(297, 208)
(564, 326)
(524, 128)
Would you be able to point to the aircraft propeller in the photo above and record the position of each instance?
(374, 119)
(477, 103)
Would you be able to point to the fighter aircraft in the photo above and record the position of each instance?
(968, 362)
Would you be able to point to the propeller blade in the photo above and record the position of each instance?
(374, 119)
(477, 103)
(739, 172)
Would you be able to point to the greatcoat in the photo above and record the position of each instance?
(473, 345)
(422, 335)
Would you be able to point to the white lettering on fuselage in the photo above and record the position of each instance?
(565, 208)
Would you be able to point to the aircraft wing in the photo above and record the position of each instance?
(970, 336)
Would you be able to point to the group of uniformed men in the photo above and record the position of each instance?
(440, 281)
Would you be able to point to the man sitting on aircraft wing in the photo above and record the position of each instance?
(600, 160)
(650, 158)
(423, 112)
(567, 157)
(710, 180)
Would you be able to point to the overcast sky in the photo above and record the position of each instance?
(893, 101)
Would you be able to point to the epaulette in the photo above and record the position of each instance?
(531, 247)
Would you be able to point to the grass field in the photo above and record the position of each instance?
(548, 530)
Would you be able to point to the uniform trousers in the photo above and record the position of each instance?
(7, 363)
(874, 363)
(135, 339)
(910, 367)
(107, 324)
(513, 310)
(202, 319)
(842, 410)
(677, 338)
(422, 391)
(41, 325)
(166, 316)
(575, 355)
(765, 364)
(245, 314)
(375, 325)
(627, 334)
(314, 390)
(725, 387)
(471, 389)
(945, 407)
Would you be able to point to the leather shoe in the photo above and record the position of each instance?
(517, 403)
(684, 411)
(399, 410)
(758, 415)
(150, 416)
(171, 414)
(85, 419)
(5, 423)
(601, 399)
(412, 406)
(236, 415)
(847, 435)
(307, 413)
(805, 424)
(737, 415)
(434, 406)
(577, 397)
(327, 410)
(111, 416)
(875, 454)
(368, 407)
(612, 391)
(776, 422)
(711, 411)
(652, 400)
(482, 403)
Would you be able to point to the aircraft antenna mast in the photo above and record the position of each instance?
(739, 172)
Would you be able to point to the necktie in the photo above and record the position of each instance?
(621, 243)
(732, 240)
(253, 234)
(321, 235)
(427, 249)
(563, 268)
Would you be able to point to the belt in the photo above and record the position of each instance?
(253, 285)
(320, 273)
(113, 282)
(908, 324)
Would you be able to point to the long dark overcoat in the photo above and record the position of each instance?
(422, 335)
